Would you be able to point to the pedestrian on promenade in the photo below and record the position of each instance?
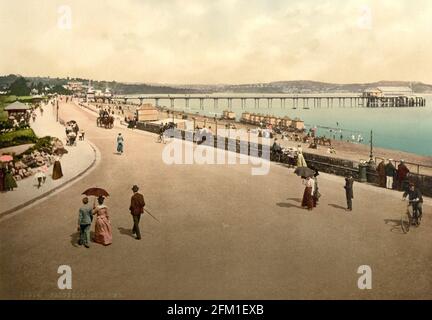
(349, 193)
(316, 195)
(307, 201)
(402, 172)
(103, 229)
(40, 177)
(136, 209)
(301, 162)
(381, 174)
(57, 169)
(9, 180)
(390, 172)
(2, 179)
(85, 218)
(120, 142)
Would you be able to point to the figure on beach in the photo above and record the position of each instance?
(390, 172)
(57, 169)
(85, 218)
(120, 142)
(349, 193)
(307, 201)
(103, 229)
(2, 179)
(136, 209)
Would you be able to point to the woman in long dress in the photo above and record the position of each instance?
(120, 142)
(103, 229)
(57, 169)
(307, 201)
(9, 180)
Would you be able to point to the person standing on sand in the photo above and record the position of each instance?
(381, 174)
(136, 209)
(390, 172)
(349, 193)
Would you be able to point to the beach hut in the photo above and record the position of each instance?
(246, 116)
(297, 124)
(147, 112)
(229, 115)
(286, 121)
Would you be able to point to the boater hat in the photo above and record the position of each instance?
(135, 188)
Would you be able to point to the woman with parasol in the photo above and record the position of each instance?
(103, 229)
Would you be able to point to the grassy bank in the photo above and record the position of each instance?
(18, 137)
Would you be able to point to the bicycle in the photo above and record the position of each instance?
(161, 139)
(408, 219)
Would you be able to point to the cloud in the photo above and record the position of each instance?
(220, 41)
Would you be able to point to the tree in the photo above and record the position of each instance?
(19, 87)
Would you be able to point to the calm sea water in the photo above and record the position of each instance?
(406, 129)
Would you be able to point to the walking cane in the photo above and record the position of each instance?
(151, 215)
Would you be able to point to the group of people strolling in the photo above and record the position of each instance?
(103, 228)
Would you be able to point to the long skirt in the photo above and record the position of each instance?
(57, 171)
(9, 182)
(307, 200)
(103, 231)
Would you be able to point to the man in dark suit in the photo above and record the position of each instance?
(349, 181)
(136, 209)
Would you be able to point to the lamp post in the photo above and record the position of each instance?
(371, 148)
(57, 107)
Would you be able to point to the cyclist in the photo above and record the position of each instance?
(415, 200)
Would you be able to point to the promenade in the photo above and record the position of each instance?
(78, 159)
(223, 234)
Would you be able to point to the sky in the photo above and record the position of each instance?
(218, 41)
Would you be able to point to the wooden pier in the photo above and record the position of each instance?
(269, 101)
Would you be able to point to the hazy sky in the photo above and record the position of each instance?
(218, 41)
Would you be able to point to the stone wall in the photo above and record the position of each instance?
(327, 164)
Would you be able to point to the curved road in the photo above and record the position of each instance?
(224, 234)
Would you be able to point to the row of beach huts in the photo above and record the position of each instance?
(265, 119)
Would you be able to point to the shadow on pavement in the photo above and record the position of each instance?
(288, 205)
(299, 200)
(74, 239)
(127, 232)
(336, 206)
(396, 225)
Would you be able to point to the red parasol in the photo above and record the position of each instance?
(6, 158)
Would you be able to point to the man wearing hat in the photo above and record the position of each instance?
(390, 172)
(416, 200)
(85, 218)
(136, 209)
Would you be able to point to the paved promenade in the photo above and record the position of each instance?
(78, 159)
(223, 234)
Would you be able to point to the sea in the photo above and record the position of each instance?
(407, 129)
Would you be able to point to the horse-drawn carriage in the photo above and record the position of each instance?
(106, 122)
